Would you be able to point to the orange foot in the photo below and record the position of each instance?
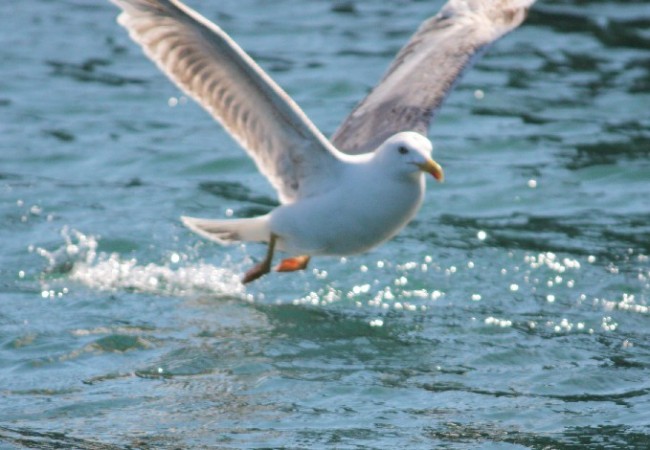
(293, 264)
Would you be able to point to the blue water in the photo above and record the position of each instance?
(513, 313)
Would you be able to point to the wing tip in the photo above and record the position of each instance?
(506, 13)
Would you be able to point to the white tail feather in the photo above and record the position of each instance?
(224, 232)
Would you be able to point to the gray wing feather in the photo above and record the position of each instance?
(426, 69)
(211, 68)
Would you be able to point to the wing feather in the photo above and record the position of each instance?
(211, 68)
(426, 69)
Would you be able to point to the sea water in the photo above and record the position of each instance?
(512, 313)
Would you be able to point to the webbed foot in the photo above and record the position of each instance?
(293, 264)
(263, 267)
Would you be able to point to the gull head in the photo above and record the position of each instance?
(409, 153)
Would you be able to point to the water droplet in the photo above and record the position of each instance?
(503, 323)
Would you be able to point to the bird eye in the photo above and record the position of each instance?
(403, 150)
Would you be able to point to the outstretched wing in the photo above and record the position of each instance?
(426, 69)
(211, 68)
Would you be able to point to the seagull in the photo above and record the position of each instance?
(339, 196)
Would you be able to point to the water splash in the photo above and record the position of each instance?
(79, 261)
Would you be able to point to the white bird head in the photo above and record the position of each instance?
(409, 153)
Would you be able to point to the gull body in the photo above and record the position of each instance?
(371, 198)
(386, 192)
(349, 220)
(339, 196)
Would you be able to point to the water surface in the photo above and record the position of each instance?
(512, 313)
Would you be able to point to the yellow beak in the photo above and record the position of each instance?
(432, 167)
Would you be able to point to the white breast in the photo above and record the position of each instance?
(350, 219)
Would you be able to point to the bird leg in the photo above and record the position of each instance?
(263, 267)
(293, 264)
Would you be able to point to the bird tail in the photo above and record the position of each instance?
(228, 231)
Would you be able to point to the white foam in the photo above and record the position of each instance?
(79, 260)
